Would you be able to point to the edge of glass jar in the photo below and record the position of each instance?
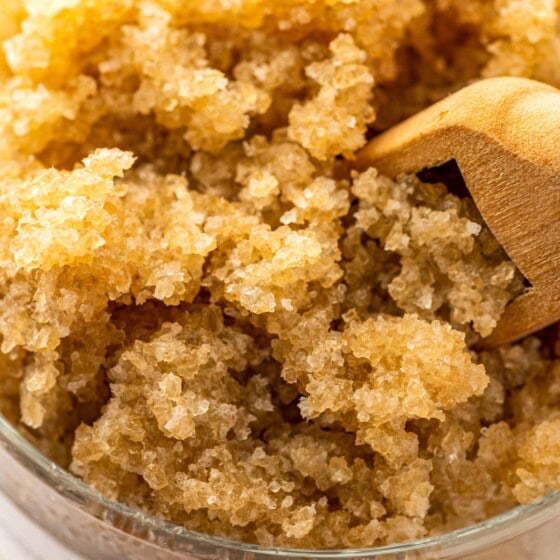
(487, 533)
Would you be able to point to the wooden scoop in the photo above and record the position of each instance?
(504, 135)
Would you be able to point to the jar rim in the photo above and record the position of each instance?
(489, 532)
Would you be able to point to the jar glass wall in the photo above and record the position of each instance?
(100, 529)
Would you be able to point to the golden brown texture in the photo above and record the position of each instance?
(206, 315)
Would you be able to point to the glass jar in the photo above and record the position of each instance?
(100, 529)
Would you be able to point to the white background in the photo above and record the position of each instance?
(20, 539)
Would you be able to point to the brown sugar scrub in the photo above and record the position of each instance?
(205, 314)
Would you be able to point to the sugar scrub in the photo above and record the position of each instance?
(207, 315)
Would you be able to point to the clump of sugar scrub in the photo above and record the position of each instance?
(207, 315)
